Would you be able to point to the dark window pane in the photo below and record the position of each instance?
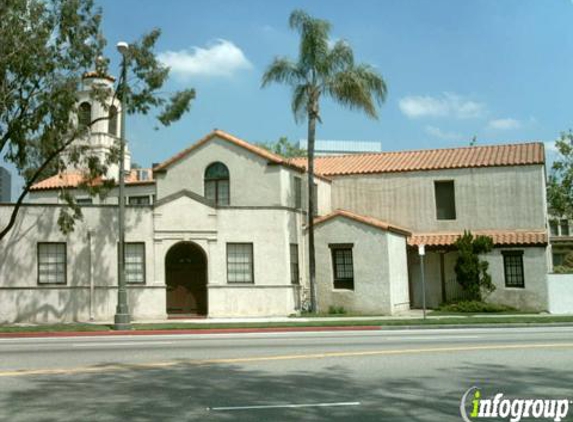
(85, 114)
(294, 268)
(139, 200)
(112, 122)
(513, 268)
(217, 184)
(445, 200)
(343, 268)
(554, 228)
(297, 193)
(564, 228)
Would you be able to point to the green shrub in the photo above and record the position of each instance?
(471, 272)
(474, 306)
(336, 310)
(562, 269)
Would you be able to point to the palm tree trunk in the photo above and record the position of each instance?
(311, 257)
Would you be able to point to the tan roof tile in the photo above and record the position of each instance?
(73, 179)
(432, 159)
(267, 155)
(371, 221)
(500, 237)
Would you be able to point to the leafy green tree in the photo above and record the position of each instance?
(560, 183)
(471, 271)
(284, 148)
(322, 69)
(45, 49)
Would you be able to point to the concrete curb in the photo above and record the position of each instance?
(246, 330)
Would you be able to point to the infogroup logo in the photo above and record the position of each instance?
(497, 407)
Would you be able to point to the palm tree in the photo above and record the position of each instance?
(326, 69)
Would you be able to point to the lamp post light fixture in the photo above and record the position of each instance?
(122, 319)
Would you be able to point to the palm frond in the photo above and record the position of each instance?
(282, 70)
(357, 88)
(299, 102)
(313, 48)
(339, 58)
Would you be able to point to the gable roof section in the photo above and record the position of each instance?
(187, 194)
(432, 159)
(370, 221)
(72, 179)
(261, 152)
(500, 238)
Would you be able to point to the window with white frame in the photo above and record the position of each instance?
(240, 263)
(52, 263)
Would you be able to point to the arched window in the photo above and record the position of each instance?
(112, 122)
(217, 183)
(85, 114)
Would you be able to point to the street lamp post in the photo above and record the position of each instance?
(122, 318)
(422, 252)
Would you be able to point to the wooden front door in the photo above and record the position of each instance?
(186, 279)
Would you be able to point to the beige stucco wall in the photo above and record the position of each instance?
(270, 230)
(253, 182)
(398, 272)
(91, 260)
(532, 297)
(372, 253)
(486, 198)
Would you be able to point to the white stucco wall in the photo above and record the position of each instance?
(91, 261)
(372, 253)
(560, 293)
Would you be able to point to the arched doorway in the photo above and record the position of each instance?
(186, 279)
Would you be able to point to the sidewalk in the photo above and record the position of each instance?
(409, 320)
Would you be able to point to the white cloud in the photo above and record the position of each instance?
(504, 124)
(221, 58)
(441, 134)
(448, 105)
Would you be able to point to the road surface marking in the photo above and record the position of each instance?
(288, 406)
(128, 367)
(125, 343)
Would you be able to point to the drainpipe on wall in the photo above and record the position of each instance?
(90, 274)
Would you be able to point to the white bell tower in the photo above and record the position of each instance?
(104, 133)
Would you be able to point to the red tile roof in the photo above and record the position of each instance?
(371, 221)
(432, 159)
(500, 237)
(267, 155)
(94, 74)
(73, 179)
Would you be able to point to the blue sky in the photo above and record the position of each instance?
(499, 70)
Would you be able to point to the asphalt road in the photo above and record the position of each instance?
(407, 375)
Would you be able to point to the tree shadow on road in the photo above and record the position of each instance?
(184, 392)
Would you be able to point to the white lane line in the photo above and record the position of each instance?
(132, 344)
(287, 406)
(432, 338)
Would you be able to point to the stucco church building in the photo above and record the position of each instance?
(220, 230)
